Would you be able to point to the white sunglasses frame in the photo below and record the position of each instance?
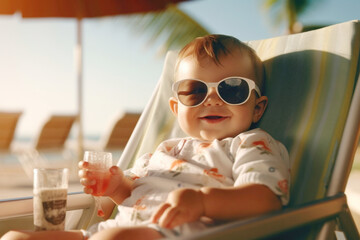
(251, 83)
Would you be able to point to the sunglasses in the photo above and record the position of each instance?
(232, 90)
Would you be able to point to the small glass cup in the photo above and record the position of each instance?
(50, 195)
(99, 165)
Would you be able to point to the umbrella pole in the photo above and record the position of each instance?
(79, 69)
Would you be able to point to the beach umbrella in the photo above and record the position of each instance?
(80, 9)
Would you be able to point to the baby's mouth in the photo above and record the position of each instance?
(213, 118)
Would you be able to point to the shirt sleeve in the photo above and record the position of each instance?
(260, 159)
(140, 167)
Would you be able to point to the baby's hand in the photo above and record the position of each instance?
(87, 180)
(182, 206)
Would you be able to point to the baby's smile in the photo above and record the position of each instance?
(213, 118)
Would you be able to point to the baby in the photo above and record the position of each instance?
(225, 170)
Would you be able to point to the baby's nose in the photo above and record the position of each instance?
(213, 98)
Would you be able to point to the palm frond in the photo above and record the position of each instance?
(287, 10)
(276, 10)
(173, 28)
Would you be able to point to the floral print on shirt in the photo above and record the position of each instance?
(177, 167)
(214, 173)
(251, 157)
(263, 146)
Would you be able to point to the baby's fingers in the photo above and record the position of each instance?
(174, 218)
(86, 182)
(168, 218)
(156, 216)
(116, 171)
(83, 173)
(83, 164)
(87, 190)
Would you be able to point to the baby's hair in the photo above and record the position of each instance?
(215, 45)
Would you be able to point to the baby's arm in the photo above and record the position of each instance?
(239, 202)
(186, 205)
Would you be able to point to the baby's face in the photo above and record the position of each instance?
(214, 119)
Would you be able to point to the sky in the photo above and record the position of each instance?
(120, 69)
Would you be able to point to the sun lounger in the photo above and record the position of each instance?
(314, 109)
(8, 123)
(48, 149)
(116, 135)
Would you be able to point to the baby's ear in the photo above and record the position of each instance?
(260, 106)
(173, 103)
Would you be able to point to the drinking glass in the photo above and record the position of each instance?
(99, 165)
(50, 195)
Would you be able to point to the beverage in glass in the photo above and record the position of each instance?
(99, 165)
(50, 195)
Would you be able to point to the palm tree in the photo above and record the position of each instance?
(175, 28)
(172, 27)
(290, 11)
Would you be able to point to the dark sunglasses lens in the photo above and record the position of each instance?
(191, 92)
(234, 90)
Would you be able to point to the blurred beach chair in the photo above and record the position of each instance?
(120, 132)
(314, 103)
(48, 149)
(54, 133)
(117, 134)
(8, 124)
